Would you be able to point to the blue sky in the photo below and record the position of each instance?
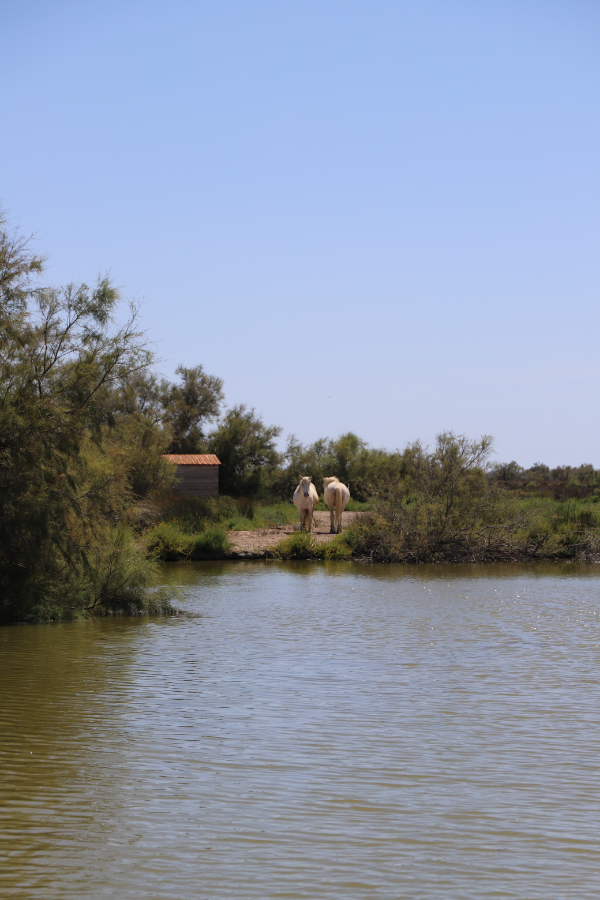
(381, 217)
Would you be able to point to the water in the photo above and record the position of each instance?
(315, 731)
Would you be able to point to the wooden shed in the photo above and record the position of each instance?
(197, 474)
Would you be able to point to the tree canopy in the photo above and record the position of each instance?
(189, 406)
(247, 450)
(65, 493)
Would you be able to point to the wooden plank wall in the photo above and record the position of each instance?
(198, 481)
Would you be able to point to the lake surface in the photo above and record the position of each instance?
(315, 731)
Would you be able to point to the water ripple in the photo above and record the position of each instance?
(315, 731)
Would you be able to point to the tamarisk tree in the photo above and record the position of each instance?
(65, 496)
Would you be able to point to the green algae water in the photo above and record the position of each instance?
(312, 731)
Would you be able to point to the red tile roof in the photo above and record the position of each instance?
(192, 459)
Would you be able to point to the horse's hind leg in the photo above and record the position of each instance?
(339, 509)
(331, 520)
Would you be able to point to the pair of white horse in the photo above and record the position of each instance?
(335, 494)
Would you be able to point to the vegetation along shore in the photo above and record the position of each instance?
(87, 501)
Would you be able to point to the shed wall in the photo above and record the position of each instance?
(197, 481)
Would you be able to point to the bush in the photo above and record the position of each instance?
(302, 545)
(442, 510)
(169, 542)
(446, 509)
(210, 543)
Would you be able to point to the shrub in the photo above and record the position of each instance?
(299, 545)
(169, 542)
(302, 545)
(442, 510)
(446, 509)
(210, 543)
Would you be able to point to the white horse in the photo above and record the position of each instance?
(336, 497)
(305, 500)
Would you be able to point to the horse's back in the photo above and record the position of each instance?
(334, 490)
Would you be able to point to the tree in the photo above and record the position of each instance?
(189, 406)
(66, 542)
(133, 411)
(443, 509)
(19, 269)
(347, 457)
(247, 451)
(511, 471)
(539, 471)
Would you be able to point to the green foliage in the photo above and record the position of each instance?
(299, 545)
(302, 545)
(212, 542)
(169, 541)
(192, 514)
(275, 513)
(66, 500)
(347, 457)
(445, 509)
(441, 510)
(246, 449)
(19, 268)
(511, 471)
(559, 530)
(187, 407)
(562, 482)
(178, 413)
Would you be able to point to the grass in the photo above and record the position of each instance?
(168, 541)
(191, 528)
(562, 515)
(192, 515)
(302, 545)
(566, 529)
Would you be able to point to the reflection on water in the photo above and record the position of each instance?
(313, 731)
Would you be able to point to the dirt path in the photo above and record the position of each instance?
(251, 542)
